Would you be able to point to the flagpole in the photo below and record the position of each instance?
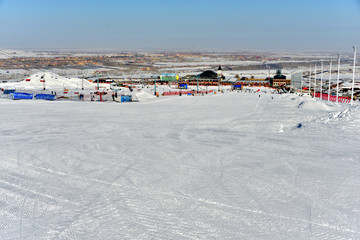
(329, 81)
(338, 77)
(321, 78)
(302, 74)
(315, 82)
(353, 79)
(310, 81)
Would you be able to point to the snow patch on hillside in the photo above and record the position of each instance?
(52, 81)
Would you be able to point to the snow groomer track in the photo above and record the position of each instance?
(225, 166)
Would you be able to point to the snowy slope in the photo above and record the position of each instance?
(51, 81)
(225, 166)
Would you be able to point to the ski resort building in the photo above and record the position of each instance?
(279, 80)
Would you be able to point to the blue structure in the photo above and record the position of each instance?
(17, 95)
(183, 86)
(45, 96)
(237, 87)
(126, 98)
(8, 91)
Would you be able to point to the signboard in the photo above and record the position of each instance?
(333, 98)
(45, 96)
(183, 86)
(8, 91)
(17, 95)
(126, 98)
(169, 77)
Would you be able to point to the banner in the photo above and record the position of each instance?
(333, 98)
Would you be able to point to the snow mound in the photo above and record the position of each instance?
(310, 104)
(143, 96)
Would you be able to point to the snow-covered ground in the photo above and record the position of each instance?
(224, 166)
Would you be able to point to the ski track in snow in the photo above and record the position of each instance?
(186, 167)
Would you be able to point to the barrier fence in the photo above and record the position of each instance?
(333, 98)
(185, 92)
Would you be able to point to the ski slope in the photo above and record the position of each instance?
(39, 80)
(224, 166)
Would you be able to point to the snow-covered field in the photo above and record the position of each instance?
(224, 166)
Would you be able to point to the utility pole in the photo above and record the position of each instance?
(353, 79)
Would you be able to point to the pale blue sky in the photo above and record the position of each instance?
(181, 25)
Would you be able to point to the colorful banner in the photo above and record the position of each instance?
(333, 98)
(185, 92)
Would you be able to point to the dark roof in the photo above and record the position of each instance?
(279, 75)
(208, 74)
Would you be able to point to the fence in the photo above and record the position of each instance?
(185, 92)
(333, 98)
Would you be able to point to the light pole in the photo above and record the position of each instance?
(301, 83)
(218, 84)
(353, 78)
(197, 81)
(315, 82)
(321, 78)
(97, 76)
(338, 77)
(329, 81)
(154, 85)
(219, 73)
(310, 81)
(42, 79)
